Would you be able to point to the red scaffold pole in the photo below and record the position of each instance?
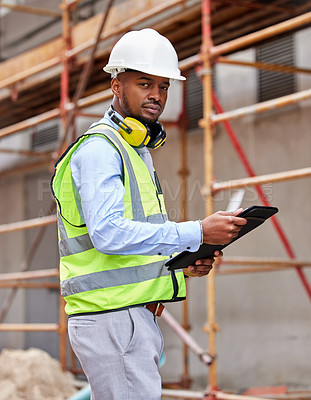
(263, 198)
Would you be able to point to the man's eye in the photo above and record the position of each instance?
(165, 88)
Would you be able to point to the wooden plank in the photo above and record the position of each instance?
(28, 224)
(30, 59)
(28, 285)
(81, 33)
(32, 10)
(38, 274)
(29, 327)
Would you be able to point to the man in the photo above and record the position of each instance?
(114, 234)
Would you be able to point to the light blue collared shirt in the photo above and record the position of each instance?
(97, 175)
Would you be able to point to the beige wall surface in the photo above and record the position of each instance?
(265, 336)
(42, 305)
(12, 250)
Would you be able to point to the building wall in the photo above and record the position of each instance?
(264, 337)
(12, 250)
(42, 305)
(21, 198)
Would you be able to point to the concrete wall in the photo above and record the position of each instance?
(12, 250)
(23, 198)
(42, 305)
(264, 317)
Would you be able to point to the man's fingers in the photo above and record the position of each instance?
(205, 261)
(232, 217)
(222, 227)
(201, 269)
(239, 221)
(238, 211)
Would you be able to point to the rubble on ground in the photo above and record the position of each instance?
(33, 375)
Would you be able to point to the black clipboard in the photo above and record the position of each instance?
(255, 215)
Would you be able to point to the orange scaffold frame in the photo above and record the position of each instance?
(67, 112)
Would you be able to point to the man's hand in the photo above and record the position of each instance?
(222, 227)
(202, 267)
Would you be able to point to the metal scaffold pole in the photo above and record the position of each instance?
(69, 109)
(64, 87)
(186, 381)
(64, 101)
(208, 174)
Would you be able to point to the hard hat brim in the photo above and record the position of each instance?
(115, 70)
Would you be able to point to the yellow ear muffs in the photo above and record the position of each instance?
(157, 135)
(137, 134)
(134, 132)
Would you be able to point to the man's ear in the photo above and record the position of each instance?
(116, 86)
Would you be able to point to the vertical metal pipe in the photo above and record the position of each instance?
(184, 164)
(64, 83)
(208, 174)
(64, 100)
(85, 74)
(207, 103)
(184, 216)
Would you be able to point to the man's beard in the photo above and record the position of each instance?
(145, 121)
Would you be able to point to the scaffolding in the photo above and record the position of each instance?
(69, 109)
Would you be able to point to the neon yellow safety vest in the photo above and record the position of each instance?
(95, 282)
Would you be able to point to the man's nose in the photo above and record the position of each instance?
(155, 94)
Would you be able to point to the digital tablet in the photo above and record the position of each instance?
(255, 215)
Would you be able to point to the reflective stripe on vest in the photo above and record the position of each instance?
(69, 246)
(78, 244)
(138, 210)
(88, 283)
(113, 277)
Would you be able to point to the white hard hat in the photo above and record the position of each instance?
(145, 51)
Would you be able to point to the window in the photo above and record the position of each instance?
(276, 84)
(194, 98)
(45, 137)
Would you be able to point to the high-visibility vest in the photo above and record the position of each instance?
(95, 282)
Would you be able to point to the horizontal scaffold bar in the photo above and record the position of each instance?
(28, 224)
(248, 270)
(266, 33)
(29, 123)
(78, 34)
(29, 285)
(264, 261)
(39, 274)
(265, 66)
(262, 107)
(29, 327)
(259, 180)
(31, 10)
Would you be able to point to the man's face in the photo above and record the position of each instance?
(140, 95)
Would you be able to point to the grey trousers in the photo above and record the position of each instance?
(119, 353)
